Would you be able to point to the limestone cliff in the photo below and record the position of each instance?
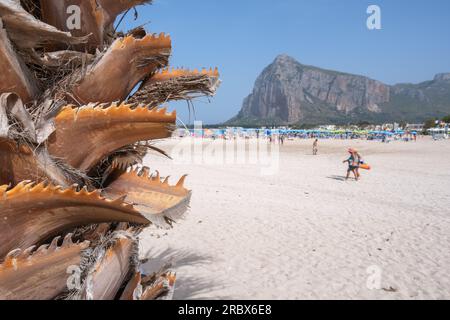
(288, 92)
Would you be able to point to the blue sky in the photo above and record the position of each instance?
(242, 37)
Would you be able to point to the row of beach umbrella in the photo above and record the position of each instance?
(270, 132)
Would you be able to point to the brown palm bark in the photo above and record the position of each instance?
(72, 140)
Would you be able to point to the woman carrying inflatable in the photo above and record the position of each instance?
(354, 162)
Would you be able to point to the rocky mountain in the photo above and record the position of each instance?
(288, 92)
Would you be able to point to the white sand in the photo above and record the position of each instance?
(306, 234)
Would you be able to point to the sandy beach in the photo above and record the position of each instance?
(305, 233)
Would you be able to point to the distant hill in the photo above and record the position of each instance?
(288, 92)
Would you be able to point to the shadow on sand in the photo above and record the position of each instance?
(187, 287)
(337, 178)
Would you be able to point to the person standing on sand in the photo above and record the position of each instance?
(359, 162)
(315, 147)
(353, 164)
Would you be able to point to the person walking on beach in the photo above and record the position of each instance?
(315, 147)
(281, 139)
(353, 164)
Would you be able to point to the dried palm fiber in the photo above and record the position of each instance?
(22, 158)
(100, 138)
(71, 151)
(20, 162)
(27, 32)
(16, 77)
(97, 18)
(156, 286)
(15, 120)
(158, 201)
(38, 211)
(39, 274)
(133, 59)
(123, 159)
(177, 84)
(114, 261)
(109, 270)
